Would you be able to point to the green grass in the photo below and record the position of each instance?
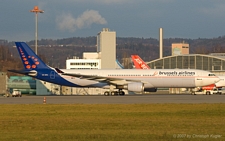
(109, 122)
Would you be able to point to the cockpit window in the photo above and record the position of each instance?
(211, 74)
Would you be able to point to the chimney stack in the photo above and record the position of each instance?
(160, 43)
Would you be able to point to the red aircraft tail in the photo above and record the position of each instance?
(139, 63)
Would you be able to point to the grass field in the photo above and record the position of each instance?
(109, 122)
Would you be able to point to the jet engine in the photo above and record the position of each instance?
(135, 87)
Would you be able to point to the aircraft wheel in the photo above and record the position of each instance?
(121, 93)
(116, 93)
(106, 93)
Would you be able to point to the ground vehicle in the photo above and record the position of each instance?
(220, 91)
(16, 93)
(206, 92)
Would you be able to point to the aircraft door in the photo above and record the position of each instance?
(52, 75)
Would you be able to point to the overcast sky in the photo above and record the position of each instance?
(129, 18)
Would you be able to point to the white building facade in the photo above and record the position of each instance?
(90, 61)
(83, 64)
(106, 47)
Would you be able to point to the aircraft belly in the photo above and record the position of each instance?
(173, 82)
(188, 82)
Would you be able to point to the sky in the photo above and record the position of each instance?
(190, 19)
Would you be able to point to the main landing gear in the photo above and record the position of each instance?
(120, 92)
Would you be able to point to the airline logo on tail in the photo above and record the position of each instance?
(29, 59)
(30, 62)
(139, 63)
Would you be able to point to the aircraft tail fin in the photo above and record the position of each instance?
(139, 63)
(120, 65)
(35, 67)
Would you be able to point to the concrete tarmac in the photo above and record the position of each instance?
(127, 99)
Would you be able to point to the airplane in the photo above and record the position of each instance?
(121, 79)
(140, 64)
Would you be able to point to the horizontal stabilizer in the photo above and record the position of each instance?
(58, 70)
(25, 72)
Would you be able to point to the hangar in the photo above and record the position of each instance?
(214, 62)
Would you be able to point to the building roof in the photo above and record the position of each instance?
(211, 62)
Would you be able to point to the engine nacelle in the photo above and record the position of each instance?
(135, 87)
(150, 89)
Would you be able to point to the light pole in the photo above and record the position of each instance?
(36, 10)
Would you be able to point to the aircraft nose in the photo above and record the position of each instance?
(217, 79)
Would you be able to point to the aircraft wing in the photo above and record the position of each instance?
(110, 80)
